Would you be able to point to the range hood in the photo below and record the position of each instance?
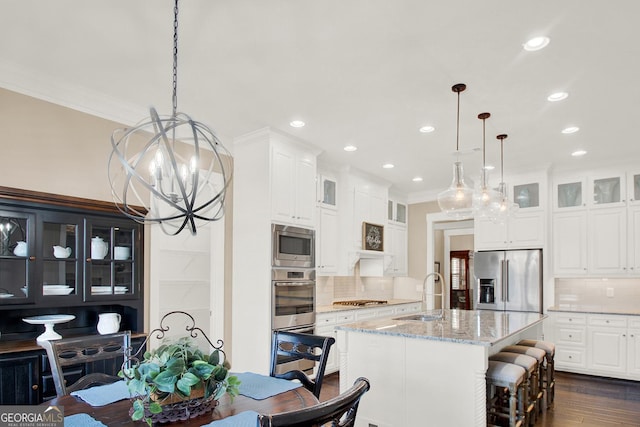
(372, 263)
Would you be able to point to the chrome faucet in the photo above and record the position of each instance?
(424, 291)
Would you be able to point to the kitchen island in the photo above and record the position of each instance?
(428, 372)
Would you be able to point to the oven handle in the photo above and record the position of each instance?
(294, 283)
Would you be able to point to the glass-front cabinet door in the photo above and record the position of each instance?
(110, 267)
(327, 191)
(60, 252)
(16, 257)
(608, 190)
(633, 184)
(527, 195)
(569, 194)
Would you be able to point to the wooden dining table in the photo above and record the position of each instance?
(117, 414)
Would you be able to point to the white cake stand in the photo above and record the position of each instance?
(48, 320)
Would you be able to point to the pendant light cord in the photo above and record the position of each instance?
(458, 127)
(175, 59)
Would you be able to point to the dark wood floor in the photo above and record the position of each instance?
(581, 400)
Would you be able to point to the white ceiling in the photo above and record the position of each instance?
(362, 72)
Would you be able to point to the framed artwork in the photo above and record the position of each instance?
(436, 268)
(372, 237)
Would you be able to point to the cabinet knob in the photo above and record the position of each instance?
(570, 320)
(624, 335)
(570, 357)
(570, 336)
(34, 387)
(32, 258)
(607, 321)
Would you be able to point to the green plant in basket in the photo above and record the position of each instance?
(177, 371)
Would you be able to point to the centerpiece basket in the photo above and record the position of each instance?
(177, 381)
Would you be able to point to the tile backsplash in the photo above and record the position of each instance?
(597, 293)
(332, 288)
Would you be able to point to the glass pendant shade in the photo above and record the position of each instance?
(486, 200)
(457, 200)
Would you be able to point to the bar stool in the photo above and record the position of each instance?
(537, 354)
(549, 367)
(511, 377)
(530, 365)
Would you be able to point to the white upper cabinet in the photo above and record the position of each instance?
(327, 191)
(595, 224)
(327, 242)
(633, 188)
(293, 184)
(607, 190)
(526, 228)
(396, 211)
(569, 194)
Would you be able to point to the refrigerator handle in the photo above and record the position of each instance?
(501, 280)
(506, 279)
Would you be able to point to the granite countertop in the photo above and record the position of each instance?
(479, 327)
(336, 308)
(594, 309)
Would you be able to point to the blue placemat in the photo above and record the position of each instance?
(104, 394)
(260, 387)
(82, 420)
(243, 419)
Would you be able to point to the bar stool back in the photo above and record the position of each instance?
(511, 377)
(549, 367)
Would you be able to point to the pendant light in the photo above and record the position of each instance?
(170, 170)
(486, 201)
(506, 207)
(457, 201)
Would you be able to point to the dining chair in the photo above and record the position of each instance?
(301, 346)
(340, 411)
(98, 353)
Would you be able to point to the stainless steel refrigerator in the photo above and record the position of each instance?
(508, 280)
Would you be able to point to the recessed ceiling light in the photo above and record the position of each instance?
(536, 43)
(388, 166)
(427, 129)
(350, 148)
(417, 179)
(296, 124)
(557, 96)
(570, 129)
(578, 153)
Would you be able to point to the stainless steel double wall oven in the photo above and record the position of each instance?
(293, 286)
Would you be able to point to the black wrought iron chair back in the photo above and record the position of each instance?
(340, 411)
(111, 351)
(304, 346)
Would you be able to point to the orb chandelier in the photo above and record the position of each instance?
(170, 170)
(506, 207)
(486, 200)
(457, 200)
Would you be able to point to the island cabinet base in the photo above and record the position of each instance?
(417, 382)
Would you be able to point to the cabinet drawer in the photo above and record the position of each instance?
(613, 321)
(325, 319)
(571, 319)
(345, 317)
(366, 314)
(405, 309)
(634, 323)
(568, 335)
(385, 312)
(570, 357)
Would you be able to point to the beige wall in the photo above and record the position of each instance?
(49, 148)
(417, 239)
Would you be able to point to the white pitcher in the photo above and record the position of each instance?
(108, 323)
(99, 248)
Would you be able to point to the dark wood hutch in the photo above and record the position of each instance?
(34, 281)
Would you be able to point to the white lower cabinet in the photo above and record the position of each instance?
(597, 344)
(326, 323)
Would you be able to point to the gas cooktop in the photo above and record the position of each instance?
(360, 302)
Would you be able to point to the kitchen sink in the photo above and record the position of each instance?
(420, 317)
